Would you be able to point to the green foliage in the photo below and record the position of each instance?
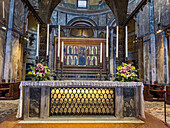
(39, 72)
(126, 73)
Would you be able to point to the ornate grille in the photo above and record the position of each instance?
(82, 101)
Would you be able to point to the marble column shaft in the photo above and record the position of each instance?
(43, 42)
(121, 52)
(9, 42)
(153, 58)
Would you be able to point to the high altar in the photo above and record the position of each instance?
(81, 59)
(47, 100)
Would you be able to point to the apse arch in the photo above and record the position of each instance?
(83, 21)
(55, 3)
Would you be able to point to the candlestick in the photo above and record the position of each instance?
(126, 42)
(48, 29)
(100, 52)
(107, 42)
(62, 48)
(38, 27)
(58, 40)
(3, 9)
(117, 41)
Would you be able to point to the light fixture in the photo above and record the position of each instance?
(159, 31)
(25, 38)
(3, 27)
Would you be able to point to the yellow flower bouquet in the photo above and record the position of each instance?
(126, 73)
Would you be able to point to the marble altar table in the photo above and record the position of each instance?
(46, 99)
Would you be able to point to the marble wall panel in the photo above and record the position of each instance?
(129, 102)
(70, 17)
(2, 42)
(19, 16)
(140, 61)
(160, 59)
(164, 6)
(146, 58)
(61, 18)
(14, 58)
(102, 20)
(144, 21)
(35, 99)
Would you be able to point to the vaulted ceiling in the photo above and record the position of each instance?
(118, 7)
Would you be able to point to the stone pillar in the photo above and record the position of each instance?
(121, 51)
(9, 42)
(43, 42)
(140, 59)
(153, 58)
(166, 68)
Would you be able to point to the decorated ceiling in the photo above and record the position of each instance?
(92, 5)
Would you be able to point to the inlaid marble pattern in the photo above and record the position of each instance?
(35, 98)
(129, 103)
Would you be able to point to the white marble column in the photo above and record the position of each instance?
(9, 41)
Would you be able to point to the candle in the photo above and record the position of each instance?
(62, 49)
(159, 20)
(48, 29)
(59, 41)
(27, 25)
(38, 27)
(3, 9)
(117, 41)
(107, 42)
(100, 52)
(126, 42)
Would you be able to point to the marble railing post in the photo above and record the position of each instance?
(7, 65)
(121, 52)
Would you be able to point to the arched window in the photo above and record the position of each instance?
(82, 4)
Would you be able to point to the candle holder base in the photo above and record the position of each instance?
(37, 60)
(47, 60)
(107, 69)
(117, 60)
(100, 72)
(58, 64)
(61, 78)
(126, 58)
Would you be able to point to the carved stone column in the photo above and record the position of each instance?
(121, 51)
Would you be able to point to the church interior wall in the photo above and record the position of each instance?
(14, 58)
(153, 60)
(153, 43)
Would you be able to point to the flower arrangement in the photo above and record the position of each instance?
(126, 73)
(39, 72)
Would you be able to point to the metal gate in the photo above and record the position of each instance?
(82, 101)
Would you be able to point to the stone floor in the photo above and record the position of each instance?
(157, 109)
(7, 107)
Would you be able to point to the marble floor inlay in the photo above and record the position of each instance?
(157, 109)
